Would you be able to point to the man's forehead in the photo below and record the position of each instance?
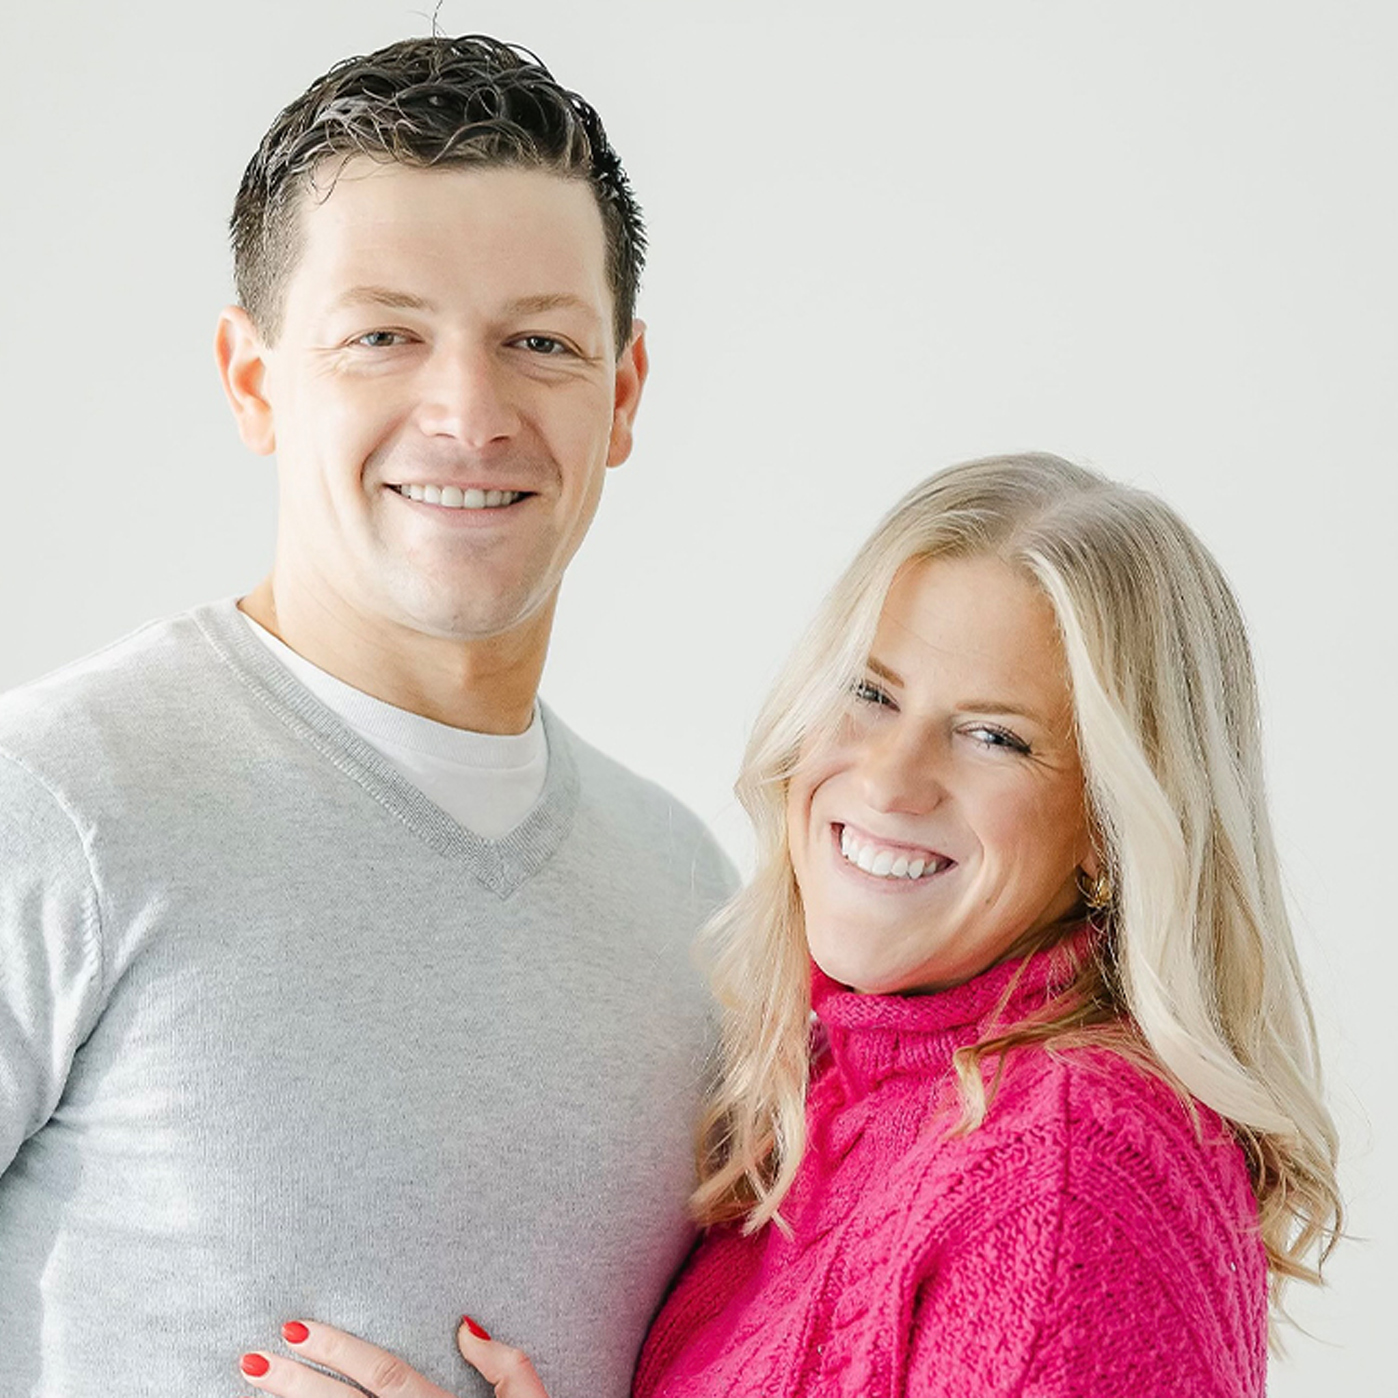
(395, 234)
(345, 189)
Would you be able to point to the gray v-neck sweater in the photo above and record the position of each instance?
(279, 1038)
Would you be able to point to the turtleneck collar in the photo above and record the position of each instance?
(875, 1037)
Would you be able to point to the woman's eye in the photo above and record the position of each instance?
(998, 738)
(868, 693)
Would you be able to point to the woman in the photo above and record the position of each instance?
(1059, 1128)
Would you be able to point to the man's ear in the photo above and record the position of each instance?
(242, 366)
(632, 366)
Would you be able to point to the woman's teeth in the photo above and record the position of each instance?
(457, 499)
(889, 863)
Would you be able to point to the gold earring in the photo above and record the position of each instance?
(1096, 891)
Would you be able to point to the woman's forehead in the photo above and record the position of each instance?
(974, 622)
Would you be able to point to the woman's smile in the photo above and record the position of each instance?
(889, 860)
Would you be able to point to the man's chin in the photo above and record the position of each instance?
(481, 620)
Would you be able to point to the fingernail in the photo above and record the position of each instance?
(476, 1328)
(294, 1333)
(255, 1366)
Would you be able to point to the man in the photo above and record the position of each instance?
(337, 978)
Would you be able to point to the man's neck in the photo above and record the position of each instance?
(485, 686)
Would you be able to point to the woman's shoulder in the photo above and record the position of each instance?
(1122, 1211)
(1094, 1221)
(1118, 1112)
(1089, 1127)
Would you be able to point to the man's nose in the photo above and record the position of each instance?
(903, 770)
(467, 395)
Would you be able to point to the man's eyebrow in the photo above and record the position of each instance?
(381, 296)
(549, 301)
(405, 301)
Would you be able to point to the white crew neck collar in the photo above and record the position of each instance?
(381, 722)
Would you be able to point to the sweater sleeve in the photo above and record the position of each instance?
(50, 953)
(1066, 1298)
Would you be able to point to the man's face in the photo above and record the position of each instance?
(444, 396)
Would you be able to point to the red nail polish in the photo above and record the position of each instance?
(294, 1333)
(476, 1328)
(255, 1366)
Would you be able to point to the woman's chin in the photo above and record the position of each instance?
(867, 975)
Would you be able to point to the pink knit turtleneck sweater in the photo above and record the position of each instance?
(1085, 1240)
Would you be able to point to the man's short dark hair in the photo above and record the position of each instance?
(428, 102)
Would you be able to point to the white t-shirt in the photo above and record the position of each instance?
(487, 781)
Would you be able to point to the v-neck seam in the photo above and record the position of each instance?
(503, 866)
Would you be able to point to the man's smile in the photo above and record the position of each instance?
(454, 497)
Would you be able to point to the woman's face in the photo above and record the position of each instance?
(946, 821)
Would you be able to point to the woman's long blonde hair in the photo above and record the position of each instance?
(1199, 971)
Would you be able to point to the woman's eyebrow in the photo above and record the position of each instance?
(999, 706)
(883, 672)
(980, 706)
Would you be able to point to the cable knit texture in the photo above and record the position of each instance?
(1089, 1238)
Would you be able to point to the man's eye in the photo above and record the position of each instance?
(542, 344)
(380, 339)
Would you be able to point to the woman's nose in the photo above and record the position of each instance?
(903, 770)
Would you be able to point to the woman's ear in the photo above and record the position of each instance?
(1094, 882)
(242, 366)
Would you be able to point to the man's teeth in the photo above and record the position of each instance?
(458, 499)
(889, 863)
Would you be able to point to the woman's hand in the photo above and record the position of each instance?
(378, 1371)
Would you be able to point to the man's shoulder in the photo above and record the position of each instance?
(133, 684)
(640, 812)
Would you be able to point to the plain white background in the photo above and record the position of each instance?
(1158, 239)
